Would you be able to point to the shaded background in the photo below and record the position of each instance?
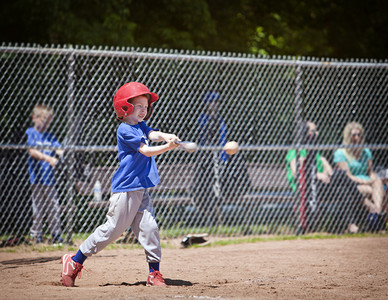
(322, 28)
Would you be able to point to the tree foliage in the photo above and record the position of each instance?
(323, 28)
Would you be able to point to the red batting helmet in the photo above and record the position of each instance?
(128, 91)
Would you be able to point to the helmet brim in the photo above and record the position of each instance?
(154, 97)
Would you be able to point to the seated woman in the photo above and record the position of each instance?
(357, 163)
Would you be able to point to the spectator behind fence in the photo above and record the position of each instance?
(306, 133)
(219, 177)
(383, 174)
(212, 131)
(358, 165)
(324, 185)
(45, 201)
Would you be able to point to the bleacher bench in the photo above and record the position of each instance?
(269, 183)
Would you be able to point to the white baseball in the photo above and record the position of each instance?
(231, 148)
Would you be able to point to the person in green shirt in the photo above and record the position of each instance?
(324, 170)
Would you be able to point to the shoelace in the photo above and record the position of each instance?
(158, 276)
(78, 271)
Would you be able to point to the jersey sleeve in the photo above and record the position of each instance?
(319, 162)
(290, 155)
(31, 141)
(368, 154)
(54, 141)
(339, 156)
(147, 129)
(129, 139)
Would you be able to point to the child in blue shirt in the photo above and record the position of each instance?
(41, 164)
(130, 203)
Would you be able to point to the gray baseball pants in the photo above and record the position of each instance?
(45, 203)
(129, 209)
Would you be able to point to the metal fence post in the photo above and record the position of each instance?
(299, 221)
(70, 182)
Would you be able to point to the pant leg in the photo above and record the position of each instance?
(203, 190)
(347, 199)
(122, 211)
(146, 229)
(37, 210)
(53, 210)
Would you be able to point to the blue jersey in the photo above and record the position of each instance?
(41, 172)
(136, 171)
(213, 131)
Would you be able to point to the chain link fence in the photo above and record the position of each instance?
(208, 98)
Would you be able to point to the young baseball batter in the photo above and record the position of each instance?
(45, 201)
(130, 203)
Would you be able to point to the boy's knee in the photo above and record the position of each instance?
(150, 228)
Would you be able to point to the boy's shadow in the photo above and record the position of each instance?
(168, 281)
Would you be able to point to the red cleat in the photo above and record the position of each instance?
(70, 270)
(155, 278)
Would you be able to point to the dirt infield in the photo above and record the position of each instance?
(346, 268)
